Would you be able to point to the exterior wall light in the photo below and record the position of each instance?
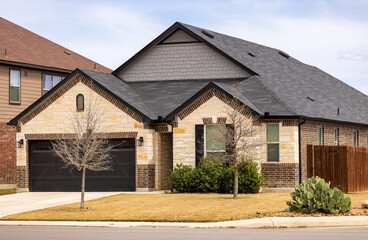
(140, 141)
(20, 143)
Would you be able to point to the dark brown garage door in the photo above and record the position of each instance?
(47, 171)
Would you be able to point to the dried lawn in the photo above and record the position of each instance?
(169, 207)
(7, 191)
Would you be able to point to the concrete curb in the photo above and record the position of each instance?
(290, 222)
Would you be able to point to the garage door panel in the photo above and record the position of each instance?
(48, 172)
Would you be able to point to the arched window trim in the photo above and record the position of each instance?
(80, 102)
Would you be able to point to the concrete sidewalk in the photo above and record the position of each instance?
(290, 222)
(28, 201)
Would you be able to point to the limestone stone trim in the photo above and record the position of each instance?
(220, 120)
(72, 82)
(204, 98)
(47, 136)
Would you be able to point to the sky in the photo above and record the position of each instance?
(331, 34)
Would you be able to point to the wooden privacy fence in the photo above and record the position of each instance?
(344, 166)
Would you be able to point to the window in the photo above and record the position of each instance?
(14, 86)
(272, 139)
(320, 135)
(336, 136)
(215, 143)
(356, 138)
(80, 102)
(49, 81)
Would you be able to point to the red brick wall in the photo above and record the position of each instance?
(310, 136)
(280, 175)
(146, 176)
(8, 171)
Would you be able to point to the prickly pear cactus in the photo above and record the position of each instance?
(316, 195)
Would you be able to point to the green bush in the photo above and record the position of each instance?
(250, 180)
(213, 176)
(316, 195)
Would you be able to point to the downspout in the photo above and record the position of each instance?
(300, 151)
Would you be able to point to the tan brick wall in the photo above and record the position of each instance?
(181, 61)
(309, 135)
(56, 119)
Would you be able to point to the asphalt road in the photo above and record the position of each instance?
(91, 233)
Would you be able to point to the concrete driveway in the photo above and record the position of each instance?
(28, 201)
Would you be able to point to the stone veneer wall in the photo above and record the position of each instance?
(8, 169)
(184, 135)
(54, 120)
(309, 135)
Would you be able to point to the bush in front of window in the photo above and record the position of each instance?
(213, 176)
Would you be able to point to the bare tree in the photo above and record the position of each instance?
(242, 136)
(86, 149)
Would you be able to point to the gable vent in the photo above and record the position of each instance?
(208, 33)
(251, 54)
(284, 54)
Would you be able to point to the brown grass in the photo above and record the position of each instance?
(169, 207)
(7, 191)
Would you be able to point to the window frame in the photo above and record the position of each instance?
(76, 102)
(52, 81)
(19, 87)
(205, 140)
(273, 143)
(356, 138)
(320, 138)
(337, 136)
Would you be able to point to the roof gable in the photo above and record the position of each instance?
(19, 45)
(171, 30)
(99, 86)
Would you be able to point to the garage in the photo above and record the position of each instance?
(47, 172)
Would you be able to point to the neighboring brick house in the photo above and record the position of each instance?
(172, 93)
(30, 65)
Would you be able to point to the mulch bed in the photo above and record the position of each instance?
(353, 212)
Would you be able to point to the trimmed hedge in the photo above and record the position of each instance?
(212, 176)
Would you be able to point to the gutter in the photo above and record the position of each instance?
(300, 150)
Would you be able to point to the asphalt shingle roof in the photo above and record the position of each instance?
(281, 86)
(290, 81)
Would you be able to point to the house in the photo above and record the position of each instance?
(166, 98)
(30, 66)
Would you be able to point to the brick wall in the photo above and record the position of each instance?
(280, 175)
(8, 171)
(309, 135)
(181, 61)
(145, 176)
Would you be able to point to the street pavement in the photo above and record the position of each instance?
(92, 233)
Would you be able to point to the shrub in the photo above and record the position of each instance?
(182, 178)
(316, 195)
(211, 175)
(250, 180)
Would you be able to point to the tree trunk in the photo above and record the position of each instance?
(236, 182)
(83, 187)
